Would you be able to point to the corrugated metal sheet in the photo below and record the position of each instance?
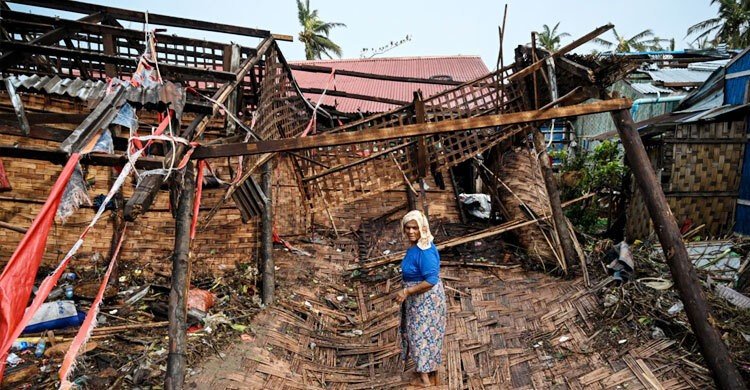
(678, 75)
(93, 91)
(458, 68)
(650, 89)
(740, 63)
(707, 66)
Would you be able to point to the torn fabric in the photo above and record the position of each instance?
(18, 276)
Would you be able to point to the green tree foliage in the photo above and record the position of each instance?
(600, 171)
(315, 33)
(550, 39)
(643, 41)
(731, 25)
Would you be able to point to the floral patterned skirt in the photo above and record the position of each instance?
(425, 326)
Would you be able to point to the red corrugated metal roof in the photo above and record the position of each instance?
(459, 68)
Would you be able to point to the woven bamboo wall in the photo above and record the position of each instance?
(520, 171)
(700, 171)
(441, 204)
(226, 241)
(217, 249)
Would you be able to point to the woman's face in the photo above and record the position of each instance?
(411, 229)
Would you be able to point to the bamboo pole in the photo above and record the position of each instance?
(713, 349)
(561, 225)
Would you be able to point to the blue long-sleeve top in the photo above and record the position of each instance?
(421, 264)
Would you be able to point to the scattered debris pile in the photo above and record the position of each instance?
(647, 306)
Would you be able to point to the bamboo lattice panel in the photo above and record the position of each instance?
(282, 112)
(365, 170)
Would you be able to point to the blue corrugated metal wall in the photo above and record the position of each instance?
(734, 93)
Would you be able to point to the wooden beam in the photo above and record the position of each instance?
(50, 133)
(712, 347)
(12, 227)
(39, 22)
(447, 126)
(232, 62)
(372, 76)
(319, 91)
(36, 118)
(268, 277)
(112, 59)
(157, 19)
(177, 358)
(52, 37)
(60, 157)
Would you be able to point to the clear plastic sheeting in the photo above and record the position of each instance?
(478, 205)
(75, 195)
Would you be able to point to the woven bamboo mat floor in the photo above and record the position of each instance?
(507, 329)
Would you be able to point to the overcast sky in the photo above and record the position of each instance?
(437, 27)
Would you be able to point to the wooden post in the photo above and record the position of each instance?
(725, 373)
(268, 283)
(420, 116)
(177, 360)
(109, 48)
(561, 225)
(231, 64)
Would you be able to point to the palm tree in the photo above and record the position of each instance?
(315, 32)
(637, 42)
(550, 39)
(731, 25)
(656, 44)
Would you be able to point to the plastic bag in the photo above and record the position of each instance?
(200, 299)
(478, 205)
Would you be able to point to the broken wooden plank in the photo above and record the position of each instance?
(447, 126)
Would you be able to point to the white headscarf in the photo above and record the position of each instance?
(425, 237)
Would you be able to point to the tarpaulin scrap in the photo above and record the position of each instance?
(197, 200)
(19, 274)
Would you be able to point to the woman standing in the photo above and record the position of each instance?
(423, 297)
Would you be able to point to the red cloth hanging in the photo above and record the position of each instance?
(4, 182)
(19, 274)
(197, 199)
